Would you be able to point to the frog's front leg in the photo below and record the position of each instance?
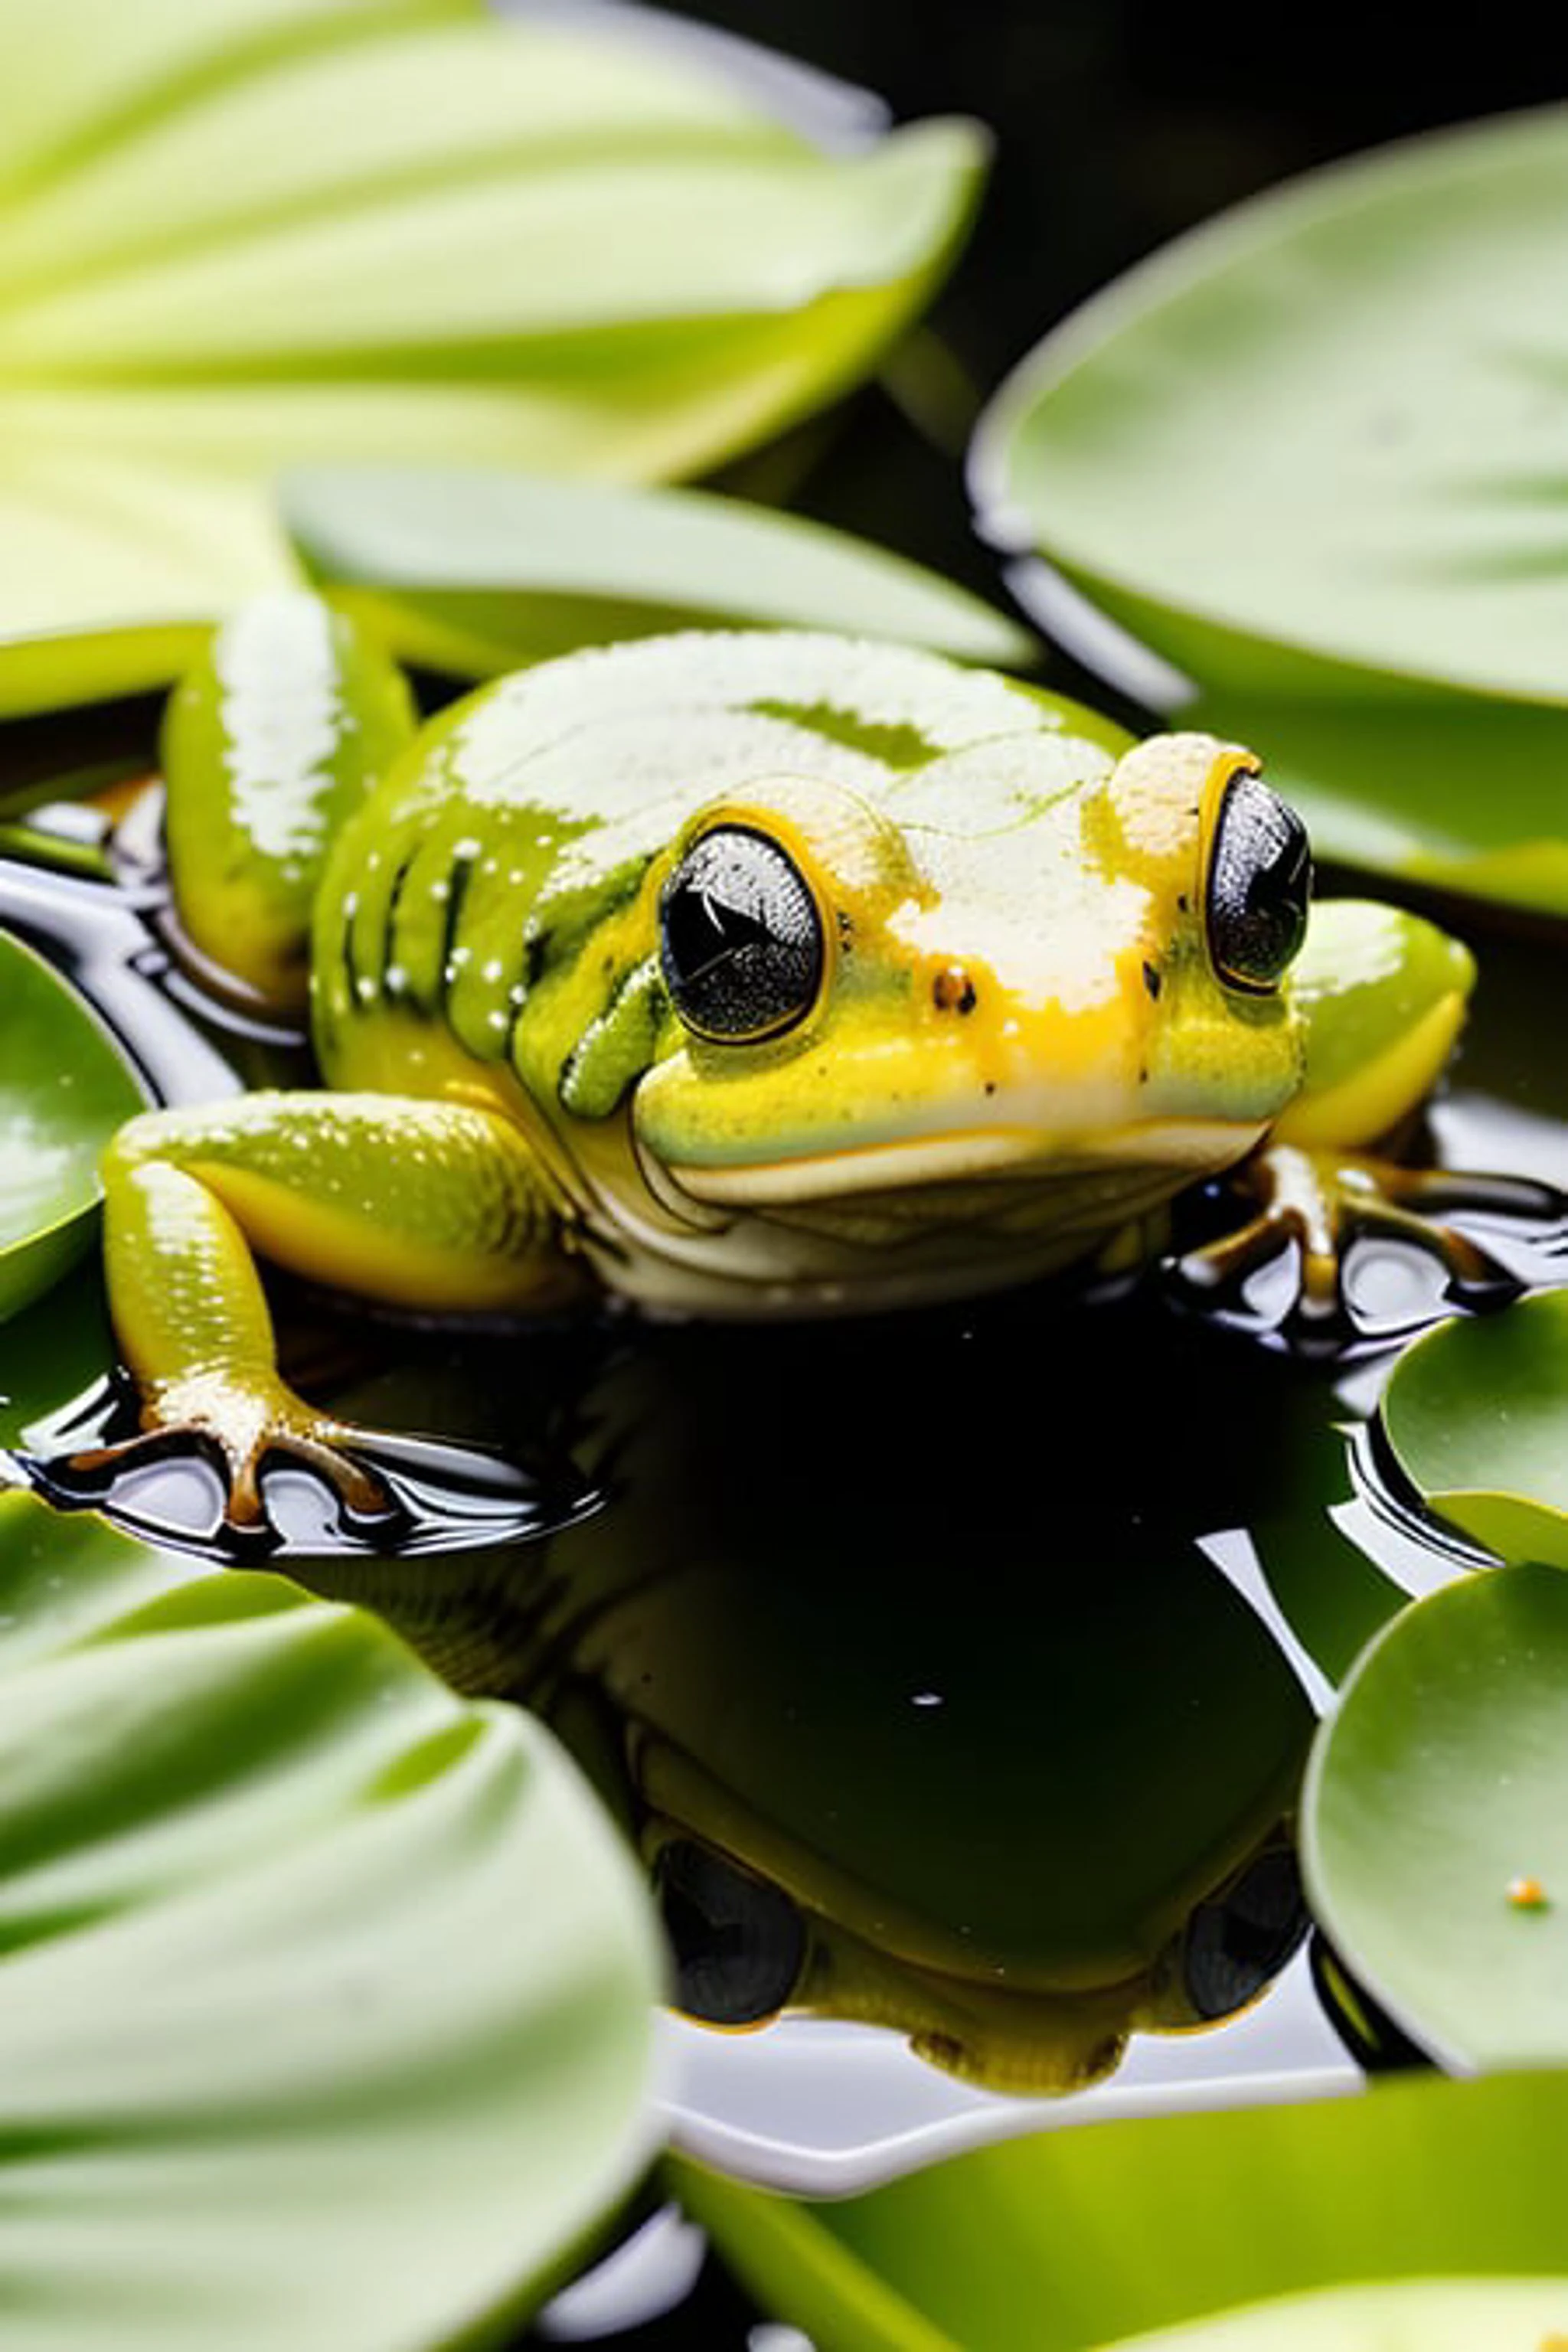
(1382, 995)
(416, 1204)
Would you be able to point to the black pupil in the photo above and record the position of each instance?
(1261, 880)
(741, 945)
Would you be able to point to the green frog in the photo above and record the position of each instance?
(730, 974)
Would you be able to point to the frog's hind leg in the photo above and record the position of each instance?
(415, 1204)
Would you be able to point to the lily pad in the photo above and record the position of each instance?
(1311, 456)
(477, 569)
(1435, 1834)
(326, 1995)
(1440, 2315)
(1477, 1414)
(64, 1088)
(1076, 2239)
(246, 236)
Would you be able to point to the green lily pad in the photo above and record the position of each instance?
(1445, 2315)
(422, 231)
(1076, 2239)
(64, 1088)
(475, 569)
(1435, 1834)
(1477, 1414)
(324, 1996)
(1311, 456)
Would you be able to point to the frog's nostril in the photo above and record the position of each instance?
(952, 991)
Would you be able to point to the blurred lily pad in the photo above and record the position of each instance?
(64, 1088)
(1438, 2315)
(326, 1996)
(1069, 2239)
(477, 568)
(1312, 455)
(264, 231)
(1477, 1414)
(1435, 1834)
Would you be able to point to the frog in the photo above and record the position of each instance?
(729, 973)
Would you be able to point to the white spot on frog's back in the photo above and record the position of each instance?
(645, 683)
(280, 748)
(640, 776)
(635, 737)
(1006, 783)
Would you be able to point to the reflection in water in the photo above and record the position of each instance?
(893, 1647)
(1373, 2039)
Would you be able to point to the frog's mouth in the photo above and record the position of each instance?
(1172, 1152)
(902, 1221)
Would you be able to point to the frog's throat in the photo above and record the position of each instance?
(1187, 1149)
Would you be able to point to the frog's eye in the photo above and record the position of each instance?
(741, 938)
(738, 1941)
(1260, 881)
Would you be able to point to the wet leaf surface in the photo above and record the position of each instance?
(1477, 1414)
(325, 2013)
(423, 231)
(1069, 2239)
(1382, 610)
(64, 1088)
(1435, 1837)
(476, 569)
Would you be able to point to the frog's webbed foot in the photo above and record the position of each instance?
(1318, 1204)
(241, 1432)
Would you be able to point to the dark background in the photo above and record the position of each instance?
(1118, 123)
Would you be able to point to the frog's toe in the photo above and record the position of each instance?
(240, 1444)
(1295, 1212)
(362, 1494)
(1321, 1207)
(1474, 1274)
(1522, 1199)
(84, 1480)
(1215, 1273)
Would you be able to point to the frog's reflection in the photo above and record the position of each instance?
(892, 1649)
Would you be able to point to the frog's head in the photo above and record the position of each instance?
(1032, 1014)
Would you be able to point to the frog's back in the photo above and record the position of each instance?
(500, 853)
